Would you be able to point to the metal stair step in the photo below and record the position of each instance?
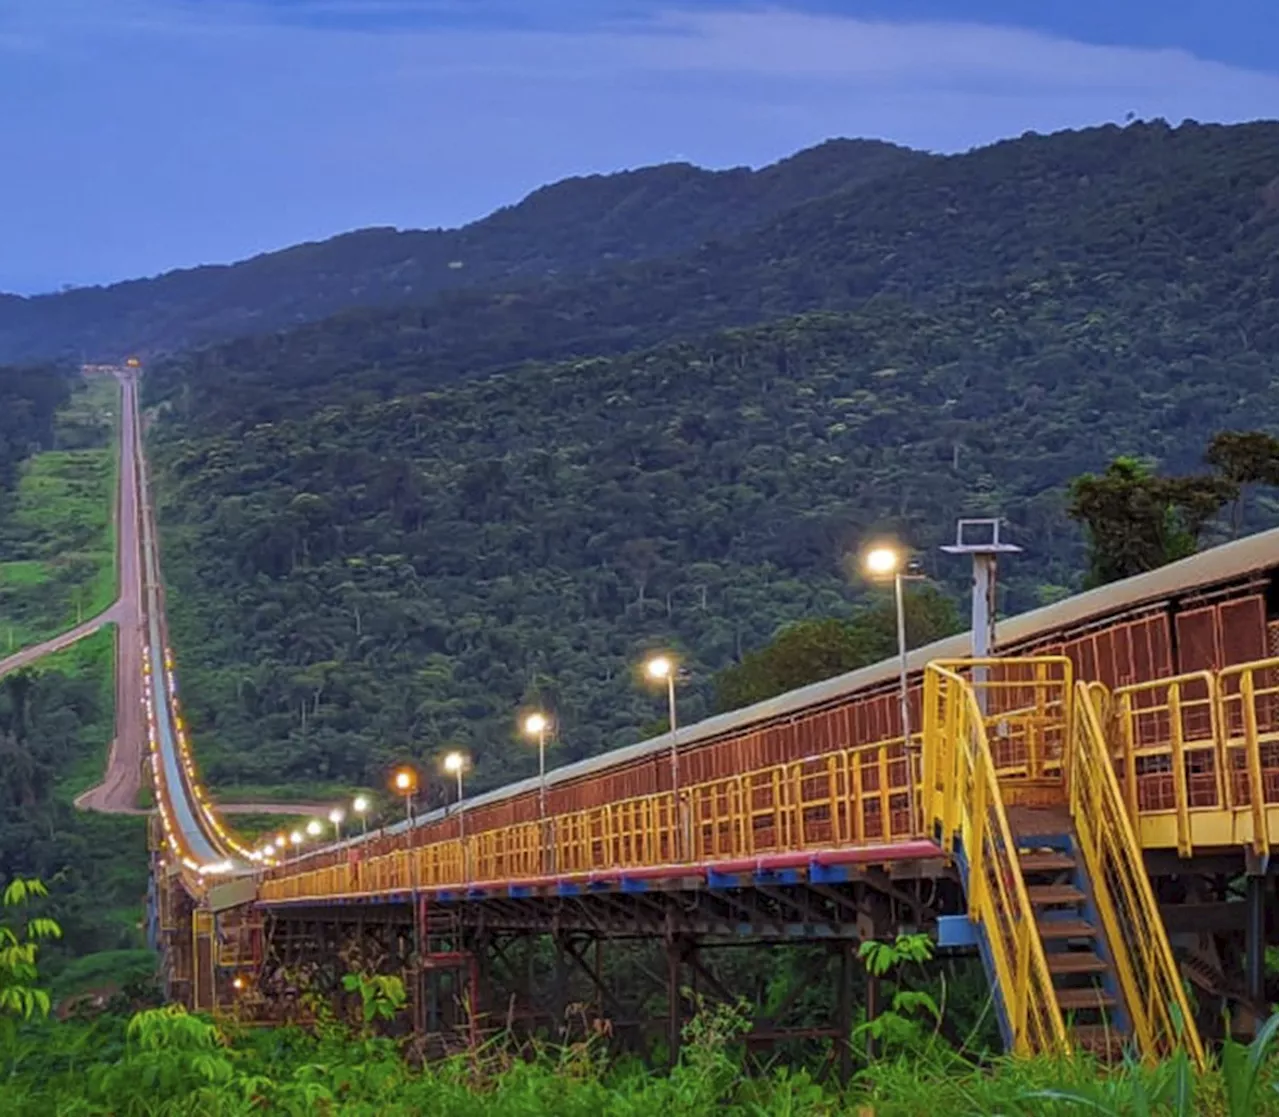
(1072, 1000)
(1045, 861)
(1044, 894)
(1100, 1040)
(1065, 929)
(1074, 961)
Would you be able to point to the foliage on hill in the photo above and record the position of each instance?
(30, 397)
(577, 226)
(371, 582)
(1145, 219)
(816, 649)
(57, 562)
(55, 722)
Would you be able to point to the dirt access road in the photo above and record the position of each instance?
(122, 781)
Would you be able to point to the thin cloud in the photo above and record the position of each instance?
(153, 135)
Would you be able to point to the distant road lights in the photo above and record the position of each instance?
(335, 817)
(405, 782)
(314, 829)
(536, 725)
(361, 806)
(662, 668)
(281, 841)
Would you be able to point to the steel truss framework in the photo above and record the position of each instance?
(636, 963)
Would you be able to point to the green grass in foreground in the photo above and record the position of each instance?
(163, 1061)
(57, 549)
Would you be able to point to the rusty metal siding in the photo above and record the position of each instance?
(1216, 636)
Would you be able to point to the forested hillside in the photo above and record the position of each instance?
(367, 582)
(1137, 218)
(577, 226)
(29, 400)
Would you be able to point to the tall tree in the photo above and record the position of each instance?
(1244, 458)
(812, 650)
(1138, 521)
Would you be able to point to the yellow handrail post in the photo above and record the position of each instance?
(1253, 764)
(1180, 797)
(1130, 756)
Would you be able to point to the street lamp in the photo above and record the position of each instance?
(880, 562)
(455, 763)
(406, 783)
(336, 816)
(361, 806)
(536, 725)
(663, 668)
(296, 839)
(314, 829)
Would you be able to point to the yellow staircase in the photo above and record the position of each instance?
(1021, 789)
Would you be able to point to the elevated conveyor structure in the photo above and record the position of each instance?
(190, 847)
(1070, 811)
(1061, 826)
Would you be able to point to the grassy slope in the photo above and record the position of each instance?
(59, 546)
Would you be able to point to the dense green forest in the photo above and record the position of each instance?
(373, 581)
(1177, 223)
(30, 397)
(374, 551)
(55, 723)
(577, 226)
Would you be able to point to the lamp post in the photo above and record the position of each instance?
(361, 806)
(882, 562)
(336, 816)
(663, 668)
(456, 763)
(536, 725)
(295, 840)
(406, 783)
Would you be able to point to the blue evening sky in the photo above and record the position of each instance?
(143, 135)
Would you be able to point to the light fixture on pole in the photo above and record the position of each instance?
(336, 816)
(314, 829)
(662, 668)
(455, 764)
(406, 783)
(981, 539)
(361, 806)
(536, 725)
(882, 562)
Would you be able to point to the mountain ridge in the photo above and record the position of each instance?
(1179, 211)
(577, 225)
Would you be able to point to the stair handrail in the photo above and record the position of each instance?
(965, 804)
(1161, 1019)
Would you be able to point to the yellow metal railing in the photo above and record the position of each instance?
(1249, 716)
(967, 804)
(1148, 976)
(854, 797)
(1197, 757)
